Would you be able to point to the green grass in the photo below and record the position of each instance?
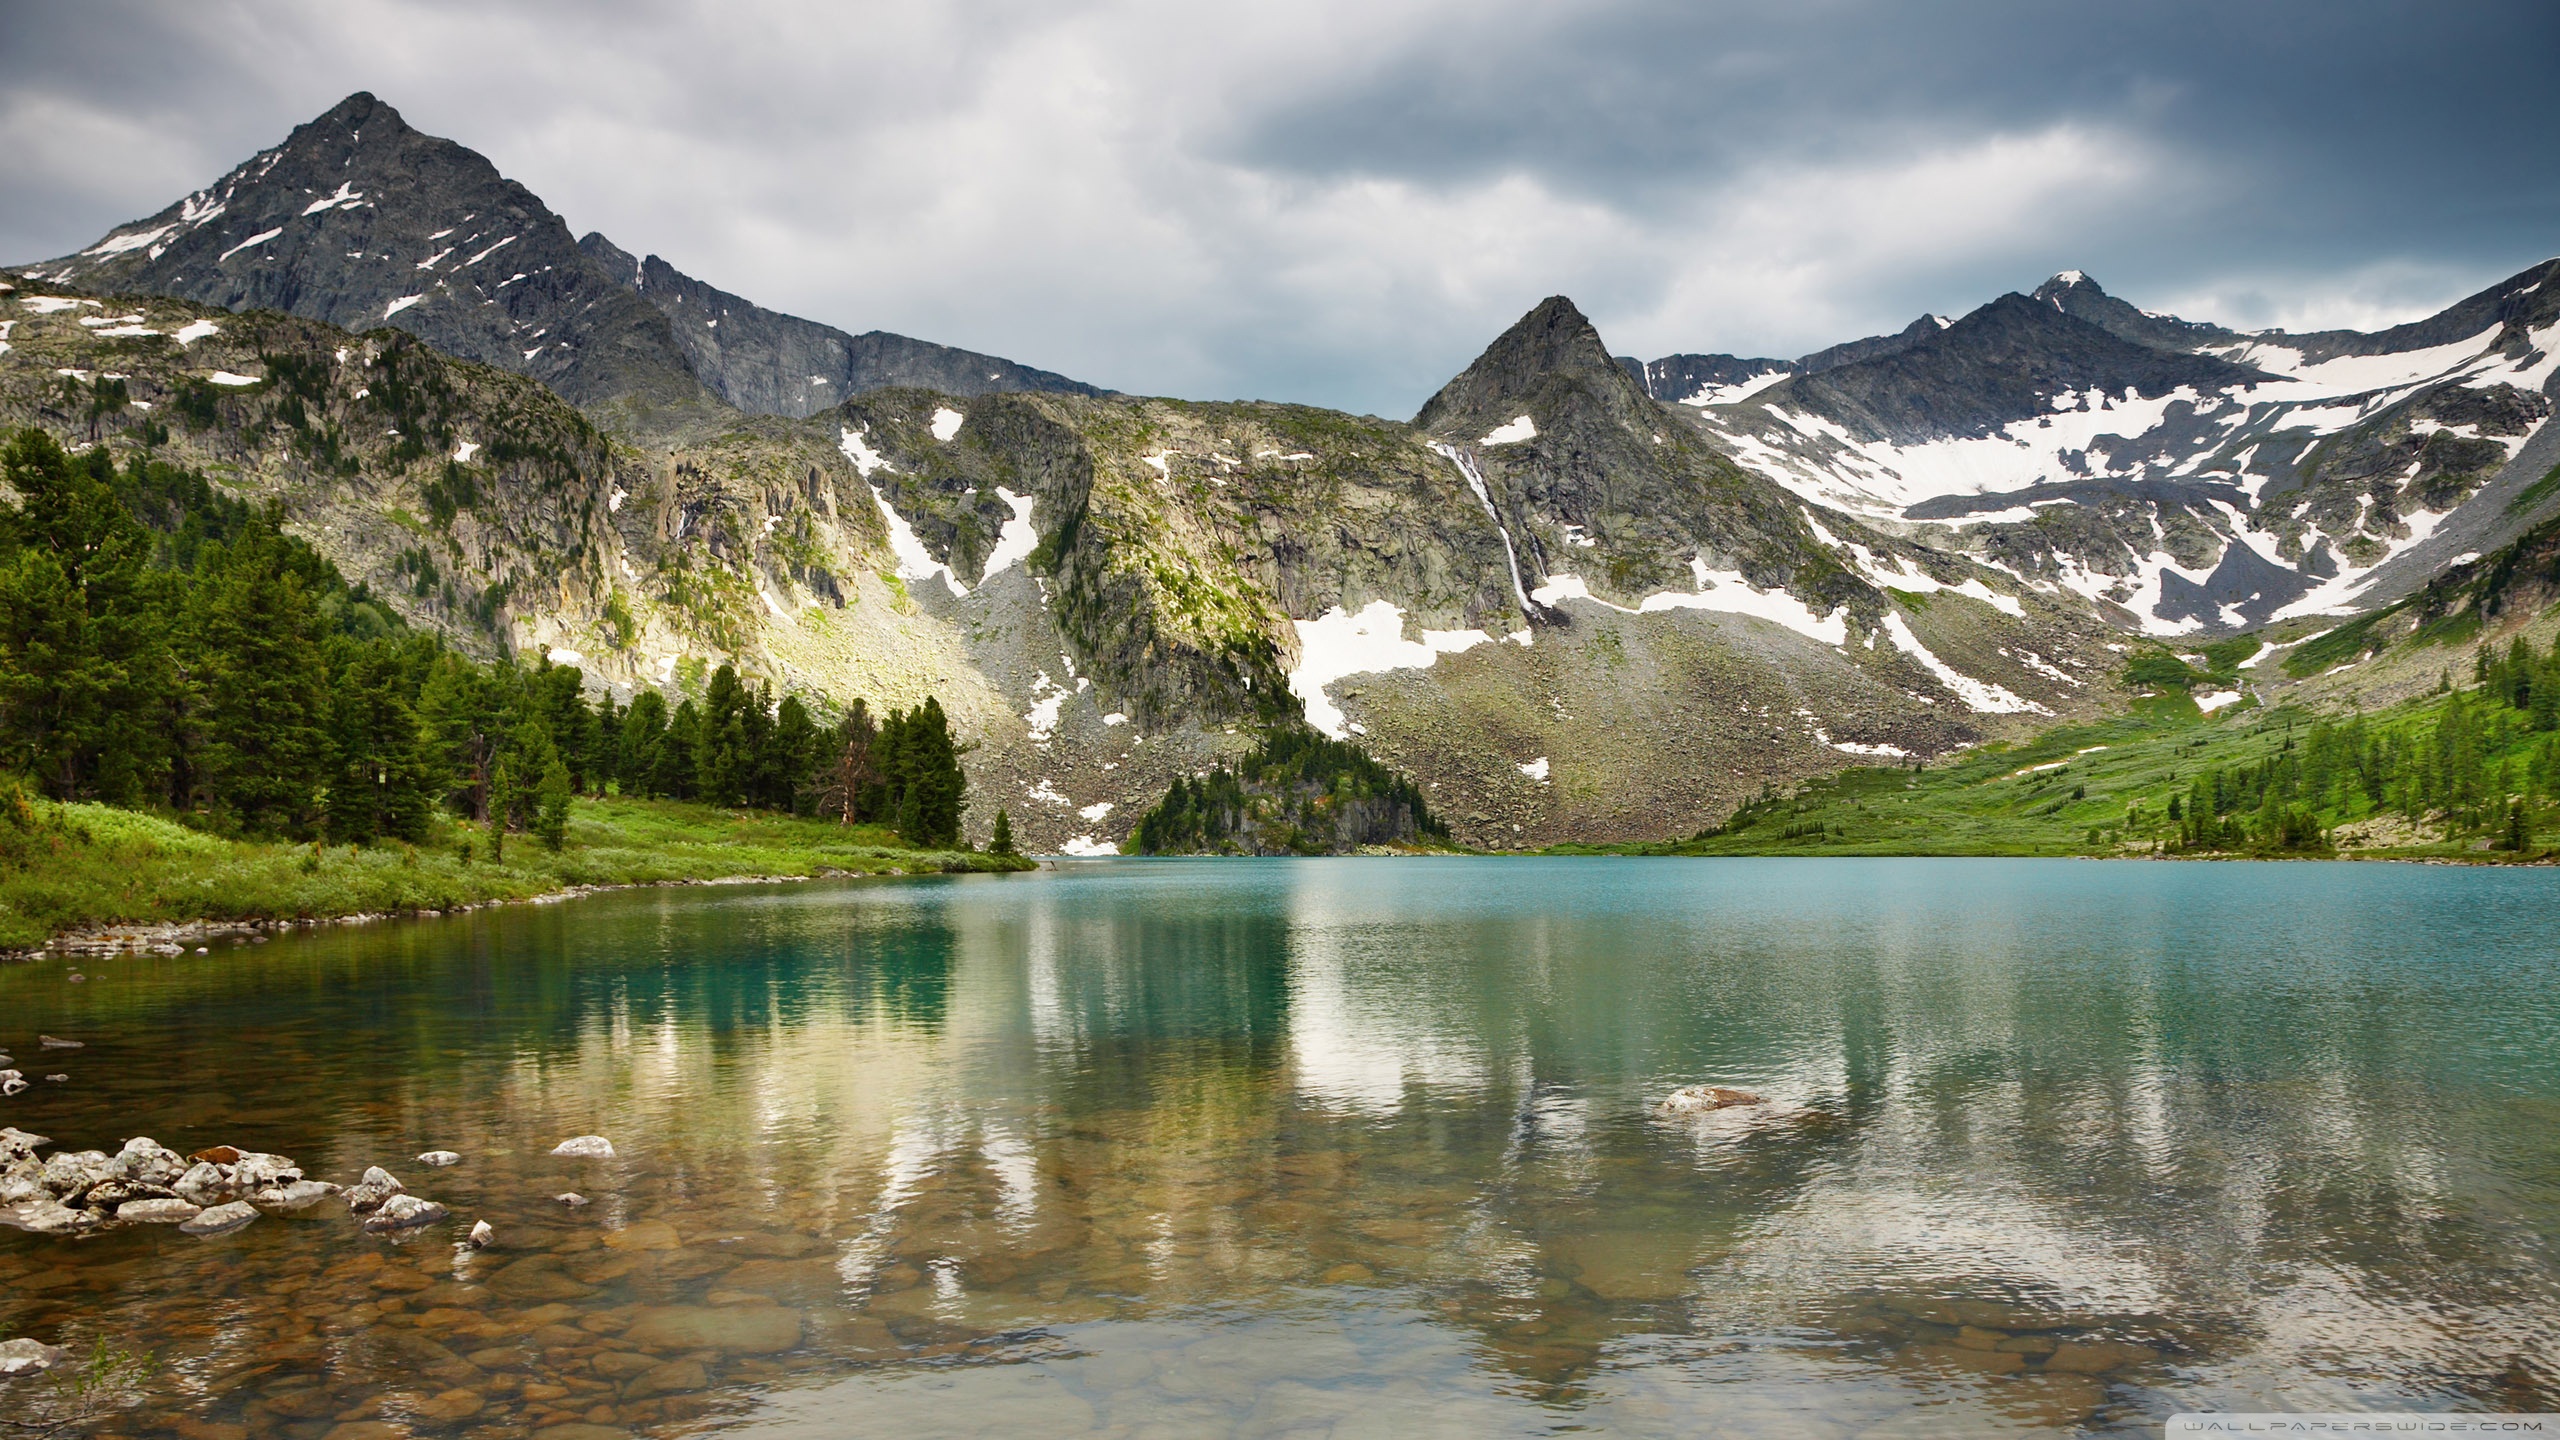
(2045, 796)
(81, 866)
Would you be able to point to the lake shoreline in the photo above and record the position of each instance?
(95, 880)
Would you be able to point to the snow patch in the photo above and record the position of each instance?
(261, 238)
(1017, 539)
(225, 377)
(139, 240)
(914, 561)
(1978, 695)
(464, 451)
(403, 303)
(857, 448)
(195, 330)
(2215, 701)
(55, 304)
(558, 656)
(347, 195)
(1521, 428)
(946, 423)
(1535, 769)
(1097, 810)
(1087, 845)
(1337, 644)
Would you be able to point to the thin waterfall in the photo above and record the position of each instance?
(1475, 481)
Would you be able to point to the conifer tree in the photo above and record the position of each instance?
(1001, 841)
(551, 805)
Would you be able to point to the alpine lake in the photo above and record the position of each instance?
(1342, 1147)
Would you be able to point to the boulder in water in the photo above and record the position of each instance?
(17, 1144)
(221, 1219)
(1692, 1098)
(481, 1234)
(11, 1082)
(206, 1183)
(585, 1147)
(439, 1158)
(368, 1194)
(168, 1211)
(47, 1217)
(404, 1212)
(28, 1357)
(148, 1162)
(571, 1198)
(294, 1195)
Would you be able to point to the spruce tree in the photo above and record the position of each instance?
(1001, 841)
(83, 632)
(643, 735)
(256, 629)
(551, 806)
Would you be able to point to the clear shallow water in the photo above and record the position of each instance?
(1353, 1147)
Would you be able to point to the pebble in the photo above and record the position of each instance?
(440, 1158)
(585, 1147)
(571, 1198)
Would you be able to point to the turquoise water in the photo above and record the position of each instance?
(1351, 1147)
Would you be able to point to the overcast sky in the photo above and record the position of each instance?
(1341, 201)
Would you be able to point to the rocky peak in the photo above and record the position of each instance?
(359, 220)
(1553, 342)
(2073, 293)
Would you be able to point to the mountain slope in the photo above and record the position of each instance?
(2183, 476)
(770, 363)
(358, 220)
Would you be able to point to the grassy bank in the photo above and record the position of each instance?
(2105, 789)
(74, 867)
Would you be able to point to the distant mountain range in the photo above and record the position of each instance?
(1577, 597)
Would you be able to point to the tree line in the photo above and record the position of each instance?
(2485, 767)
(165, 646)
(1296, 793)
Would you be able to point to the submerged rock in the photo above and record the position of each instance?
(54, 1042)
(169, 1211)
(571, 1198)
(404, 1212)
(11, 1082)
(294, 1195)
(28, 1357)
(732, 1329)
(440, 1158)
(221, 1219)
(481, 1234)
(585, 1147)
(369, 1193)
(1704, 1097)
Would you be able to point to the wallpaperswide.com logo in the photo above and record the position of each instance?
(2274, 1424)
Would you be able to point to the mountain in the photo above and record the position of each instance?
(1565, 614)
(358, 220)
(770, 363)
(2185, 477)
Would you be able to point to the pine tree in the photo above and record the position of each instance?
(256, 631)
(643, 735)
(673, 776)
(1001, 842)
(551, 808)
(852, 774)
(83, 631)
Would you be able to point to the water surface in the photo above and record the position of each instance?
(1351, 1147)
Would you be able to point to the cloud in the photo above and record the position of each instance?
(1340, 201)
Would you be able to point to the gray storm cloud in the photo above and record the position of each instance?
(1340, 201)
